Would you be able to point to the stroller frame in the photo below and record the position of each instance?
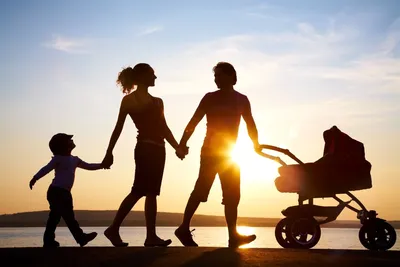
(299, 222)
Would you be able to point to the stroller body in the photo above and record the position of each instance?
(342, 168)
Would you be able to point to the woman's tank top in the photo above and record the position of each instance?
(149, 122)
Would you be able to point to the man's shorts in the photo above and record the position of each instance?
(229, 175)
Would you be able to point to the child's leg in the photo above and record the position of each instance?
(53, 219)
(52, 222)
(68, 215)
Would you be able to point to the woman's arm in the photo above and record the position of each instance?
(108, 159)
(167, 132)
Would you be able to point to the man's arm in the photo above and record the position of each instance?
(251, 125)
(194, 121)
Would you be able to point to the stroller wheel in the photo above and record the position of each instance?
(281, 233)
(377, 235)
(304, 233)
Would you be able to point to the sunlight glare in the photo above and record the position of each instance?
(245, 230)
(253, 166)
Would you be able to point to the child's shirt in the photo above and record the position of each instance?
(64, 168)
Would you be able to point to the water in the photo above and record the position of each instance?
(331, 238)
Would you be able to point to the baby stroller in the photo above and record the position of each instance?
(343, 168)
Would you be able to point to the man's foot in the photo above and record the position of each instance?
(157, 242)
(240, 240)
(51, 244)
(185, 236)
(114, 238)
(87, 238)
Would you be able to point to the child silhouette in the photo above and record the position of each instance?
(59, 193)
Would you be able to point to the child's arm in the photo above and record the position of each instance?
(43, 171)
(89, 166)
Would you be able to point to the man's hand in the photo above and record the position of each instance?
(32, 183)
(257, 147)
(182, 151)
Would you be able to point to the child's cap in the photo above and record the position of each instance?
(59, 142)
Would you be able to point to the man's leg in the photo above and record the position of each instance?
(231, 219)
(230, 182)
(191, 207)
(199, 194)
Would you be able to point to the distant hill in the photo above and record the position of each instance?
(136, 218)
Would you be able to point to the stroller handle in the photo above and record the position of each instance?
(278, 149)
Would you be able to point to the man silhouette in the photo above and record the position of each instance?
(223, 109)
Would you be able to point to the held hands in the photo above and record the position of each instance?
(107, 161)
(181, 151)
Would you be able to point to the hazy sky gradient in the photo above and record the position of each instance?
(305, 66)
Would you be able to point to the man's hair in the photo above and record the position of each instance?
(228, 69)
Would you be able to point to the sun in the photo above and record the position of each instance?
(252, 165)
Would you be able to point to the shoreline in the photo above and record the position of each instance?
(103, 218)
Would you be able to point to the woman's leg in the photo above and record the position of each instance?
(126, 206)
(112, 232)
(137, 192)
(150, 210)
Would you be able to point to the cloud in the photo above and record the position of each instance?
(334, 57)
(68, 45)
(392, 39)
(150, 30)
(302, 79)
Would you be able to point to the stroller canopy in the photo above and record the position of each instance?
(342, 168)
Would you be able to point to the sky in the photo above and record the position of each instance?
(304, 65)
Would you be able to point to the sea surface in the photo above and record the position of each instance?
(331, 238)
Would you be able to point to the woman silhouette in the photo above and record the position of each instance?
(147, 113)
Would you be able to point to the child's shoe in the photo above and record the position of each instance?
(51, 244)
(87, 238)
